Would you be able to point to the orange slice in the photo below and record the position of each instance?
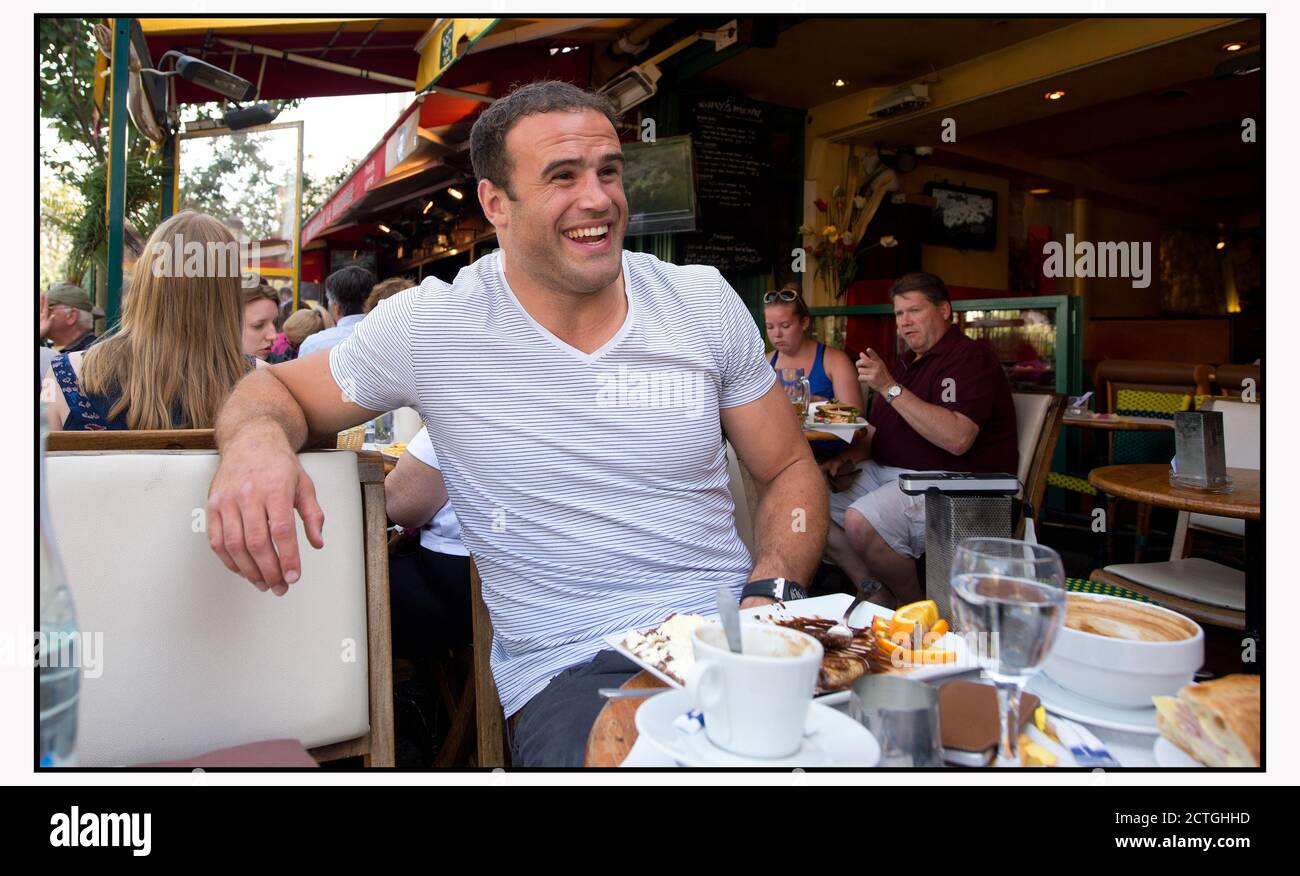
(926, 614)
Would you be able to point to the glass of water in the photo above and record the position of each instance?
(1012, 593)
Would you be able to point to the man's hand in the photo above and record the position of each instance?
(840, 472)
(46, 319)
(258, 484)
(873, 372)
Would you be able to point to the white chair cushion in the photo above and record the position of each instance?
(1225, 525)
(1194, 579)
(1031, 414)
(194, 657)
(1240, 432)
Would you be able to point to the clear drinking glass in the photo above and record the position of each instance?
(796, 388)
(1013, 592)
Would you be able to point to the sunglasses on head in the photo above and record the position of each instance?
(783, 295)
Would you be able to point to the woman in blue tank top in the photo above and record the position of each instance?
(829, 371)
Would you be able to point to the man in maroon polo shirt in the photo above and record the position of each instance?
(945, 407)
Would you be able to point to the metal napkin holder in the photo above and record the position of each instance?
(1198, 442)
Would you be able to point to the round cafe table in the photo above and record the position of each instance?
(614, 733)
(1150, 484)
(1118, 423)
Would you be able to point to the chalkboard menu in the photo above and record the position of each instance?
(740, 144)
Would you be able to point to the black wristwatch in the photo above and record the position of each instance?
(780, 589)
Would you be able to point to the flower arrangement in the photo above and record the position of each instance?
(844, 221)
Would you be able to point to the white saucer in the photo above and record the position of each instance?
(1171, 756)
(833, 739)
(1071, 705)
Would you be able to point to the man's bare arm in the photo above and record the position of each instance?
(414, 492)
(943, 428)
(259, 481)
(790, 524)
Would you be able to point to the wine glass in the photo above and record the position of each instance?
(1013, 593)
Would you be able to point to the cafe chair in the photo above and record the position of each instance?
(1206, 591)
(195, 659)
(1038, 426)
(489, 718)
(1228, 380)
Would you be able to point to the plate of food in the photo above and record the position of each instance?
(832, 413)
(912, 640)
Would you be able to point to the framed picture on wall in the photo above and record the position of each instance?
(963, 218)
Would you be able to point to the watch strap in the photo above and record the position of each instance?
(780, 589)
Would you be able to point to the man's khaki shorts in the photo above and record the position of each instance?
(897, 517)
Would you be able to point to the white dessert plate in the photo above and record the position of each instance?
(830, 606)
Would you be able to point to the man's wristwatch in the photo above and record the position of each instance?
(780, 589)
(892, 393)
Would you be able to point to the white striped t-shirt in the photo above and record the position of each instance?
(591, 488)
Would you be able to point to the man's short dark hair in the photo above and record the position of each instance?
(487, 139)
(348, 288)
(920, 281)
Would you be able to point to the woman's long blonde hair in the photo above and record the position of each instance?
(180, 345)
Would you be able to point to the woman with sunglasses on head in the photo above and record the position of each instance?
(830, 372)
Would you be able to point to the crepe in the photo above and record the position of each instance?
(840, 666)
(1215, 722)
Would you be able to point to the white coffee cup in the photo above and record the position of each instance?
(755, 703)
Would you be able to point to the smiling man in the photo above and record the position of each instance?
(588, 512)
(946, 407)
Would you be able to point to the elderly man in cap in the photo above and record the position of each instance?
(68, 318)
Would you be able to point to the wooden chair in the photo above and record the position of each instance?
(490, 719)
(1228, 379)
(199, 659)
(1038, 426)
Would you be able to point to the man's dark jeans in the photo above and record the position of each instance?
(552, 730)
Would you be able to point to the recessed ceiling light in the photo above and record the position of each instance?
(455, 193)
(1235, 46)
(1054, 95)
(840, 83)
(384, 228)
(1040, 191)
(1221, 244)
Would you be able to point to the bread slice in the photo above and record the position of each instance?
(1216, 722)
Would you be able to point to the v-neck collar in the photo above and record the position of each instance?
(586, 358)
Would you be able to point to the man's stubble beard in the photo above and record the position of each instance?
(554, 271)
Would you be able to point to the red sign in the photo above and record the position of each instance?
(363, 179)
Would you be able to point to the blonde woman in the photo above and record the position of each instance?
(178, 352)
(302, 324)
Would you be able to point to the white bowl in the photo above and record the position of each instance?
(1124, 672)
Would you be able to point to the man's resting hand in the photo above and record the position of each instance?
(258, 484)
